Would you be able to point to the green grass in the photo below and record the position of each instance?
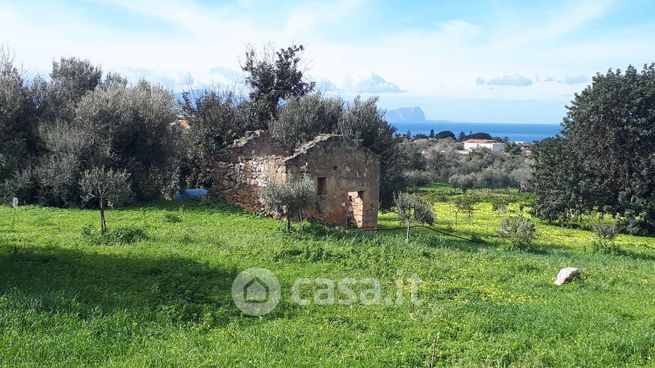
(166, 300)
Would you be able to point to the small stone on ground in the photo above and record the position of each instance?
(566, 275)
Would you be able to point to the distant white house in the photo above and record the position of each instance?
(471, 144)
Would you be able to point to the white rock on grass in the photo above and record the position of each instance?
(566, 275)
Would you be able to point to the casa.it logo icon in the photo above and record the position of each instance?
(256, 291)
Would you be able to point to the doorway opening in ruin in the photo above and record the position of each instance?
(356, 208)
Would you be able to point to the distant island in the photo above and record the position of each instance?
(405, 115)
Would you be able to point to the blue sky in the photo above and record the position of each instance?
(478, 61)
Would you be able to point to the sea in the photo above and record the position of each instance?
(514, 132)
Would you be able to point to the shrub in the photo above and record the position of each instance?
(172, 218)
(119, 235)
(499, 204)
(603, 240)
(519, 231)
(126, 235)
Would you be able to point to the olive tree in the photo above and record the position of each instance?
(411, 208)
(108, 187)
(466, 204)
(290, 198)
(216, 118)
(17, 133)
(70, 79)
(131, 127)
(303, 118)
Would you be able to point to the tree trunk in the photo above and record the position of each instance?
(302, 220)
(288, 223)
(103, 224)
(407, 238)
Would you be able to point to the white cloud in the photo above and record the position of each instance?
(365, 81)
(506, 80)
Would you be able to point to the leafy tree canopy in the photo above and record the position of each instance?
(273, 77)
(605, 159)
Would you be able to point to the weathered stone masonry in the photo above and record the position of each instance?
(346, 176)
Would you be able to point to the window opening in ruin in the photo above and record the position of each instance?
(322, 186)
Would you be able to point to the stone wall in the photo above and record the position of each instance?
(244, 168)
(242, 182)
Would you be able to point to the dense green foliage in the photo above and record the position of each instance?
(488, 169)
(17, 122)
(605, 159)
(76, 121)
(273, 77)
(217, 119)
(158, 292)
(130, 127)
(446, 134)
(364, 122)
(301, 119)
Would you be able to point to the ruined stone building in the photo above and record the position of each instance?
(346, 176)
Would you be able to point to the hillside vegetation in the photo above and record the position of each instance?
(156, 291)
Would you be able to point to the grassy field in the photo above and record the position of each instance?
(66, 300)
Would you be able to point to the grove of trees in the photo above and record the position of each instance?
(53, 130)
(441, 160)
